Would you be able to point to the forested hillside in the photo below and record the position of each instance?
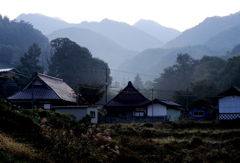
(204, 78)
(226, 39)
(16, 37)
(153, 61)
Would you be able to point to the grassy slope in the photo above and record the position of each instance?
(57, 138)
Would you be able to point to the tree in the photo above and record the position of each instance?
(90, 93)
(74, 64)
(200, 93)
(177, 76)
(138, 82)
(230, 74)
(29, 61)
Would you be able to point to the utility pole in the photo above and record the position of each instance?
(152, 102)
(106, 85)
(187, 99)
(32, 91)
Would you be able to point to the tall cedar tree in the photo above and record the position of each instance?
(138, 82)
(30, 59)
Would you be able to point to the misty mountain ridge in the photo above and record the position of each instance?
(205, 30)
(99, 45)
(44, 23)
(123, 34)
(164, 34)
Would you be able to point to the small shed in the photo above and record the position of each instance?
(198, 113)
(80, 111)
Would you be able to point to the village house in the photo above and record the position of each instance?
(9, 72)
(80, 111)
(44, 91)
(229, 104)
(131, 106)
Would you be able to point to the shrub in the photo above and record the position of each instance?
(148, 125)
(196, 141)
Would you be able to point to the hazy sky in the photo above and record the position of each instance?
(178, 14)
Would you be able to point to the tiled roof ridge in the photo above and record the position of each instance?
(51, 77)
(6, 69)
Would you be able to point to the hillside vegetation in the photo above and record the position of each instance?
(16, 37)
(45, 136)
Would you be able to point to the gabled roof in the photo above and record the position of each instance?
(128, 97)
(7, 70)
(230, 92)
(167, 103)
(45, 87)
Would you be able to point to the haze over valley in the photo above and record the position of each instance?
(145, 47)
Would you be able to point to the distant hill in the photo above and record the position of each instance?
(15, 38)
(201, 33)
(44, 23)
(99, 45)
(226, 39)
(152, 62)
(162, 33)
(123, 34)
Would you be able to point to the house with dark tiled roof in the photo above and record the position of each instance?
(229, 104)
(128, 103)
(131, 106)
(44, 91)
(9, 72)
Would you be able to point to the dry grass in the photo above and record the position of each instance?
(20, 150)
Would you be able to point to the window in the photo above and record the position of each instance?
(92, 114)
(198, 114)
(139, 112)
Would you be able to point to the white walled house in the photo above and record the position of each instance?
(80, 111)
(157, 110)
(171, 110)
(229, 104)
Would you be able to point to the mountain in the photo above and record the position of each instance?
(160, 32)
(99, 45)
(151, 62)
(16, 37)
(44, 23)
(201, 33)
(123, 34)
(226, 39)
